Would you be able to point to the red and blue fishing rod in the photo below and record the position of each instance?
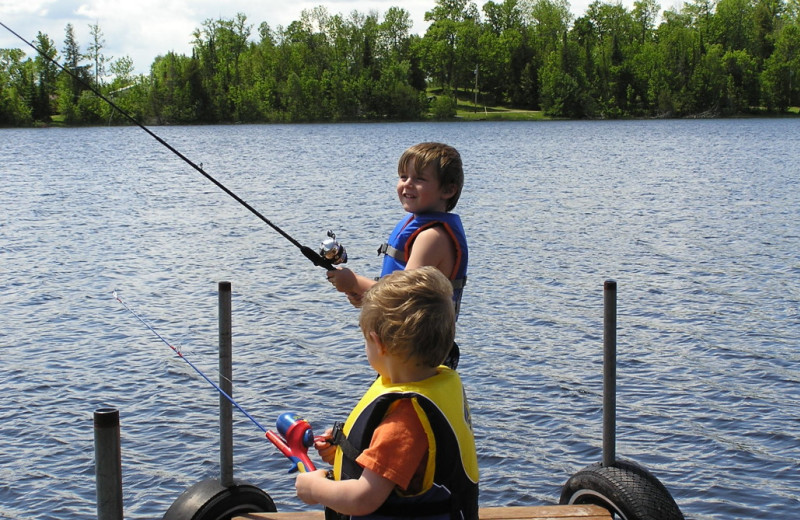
(294, 435)
(325, 258)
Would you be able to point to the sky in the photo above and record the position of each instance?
(145, 29)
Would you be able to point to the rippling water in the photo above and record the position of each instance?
(696, 220)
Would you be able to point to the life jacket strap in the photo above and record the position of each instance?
(338, 438)
(386, 249)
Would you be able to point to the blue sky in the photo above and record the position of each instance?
(143, 29)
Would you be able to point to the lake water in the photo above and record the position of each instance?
(697, 221)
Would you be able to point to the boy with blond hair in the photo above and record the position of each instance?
(407, 449)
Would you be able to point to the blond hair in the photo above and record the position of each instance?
(412, 313)
(446, 159)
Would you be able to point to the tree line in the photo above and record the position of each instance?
(710, 57)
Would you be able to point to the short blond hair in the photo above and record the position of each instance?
(446, 159)
(412, 313)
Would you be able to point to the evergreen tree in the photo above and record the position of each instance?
(71, 83)
(47, 74)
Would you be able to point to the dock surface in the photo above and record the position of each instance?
(582, 512)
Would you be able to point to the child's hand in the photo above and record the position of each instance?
(326, 450)
(343, 279)
(305, 483)
(355, 298)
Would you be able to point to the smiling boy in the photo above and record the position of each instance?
(430, 179)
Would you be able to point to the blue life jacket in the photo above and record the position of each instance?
(397, 250)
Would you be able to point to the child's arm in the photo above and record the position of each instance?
(435, 247)
(432, 246)
(349, 497)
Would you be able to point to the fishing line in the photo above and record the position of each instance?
(309, 253)
(294, 435)
(180, 355)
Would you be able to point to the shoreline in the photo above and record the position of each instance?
(494, 114)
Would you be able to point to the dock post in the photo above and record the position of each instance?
(108, 464)
(225, 382)
(609, 372)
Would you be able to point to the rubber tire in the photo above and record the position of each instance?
(626, 488)
(209, 500)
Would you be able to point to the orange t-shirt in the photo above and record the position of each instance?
(398, 450)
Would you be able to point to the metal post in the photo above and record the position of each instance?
(108, 464)
(225, 383)
(609, 371)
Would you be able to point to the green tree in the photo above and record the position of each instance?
(95, 54)
(47, 74)
(502, 17)
(450, 43)
(742, 89)
(642, 58)
(733, 25)
(394, 32)
(792, 13)
(256, 96)
(126, 90)
(564, 92)
(612, 80)
(550, 20)
(708, 84)
(780, 78)
(444, 107)
(547, 22)
(398, 46)
(173, 95)
(679, 46)
(645, 13)
(767, 17)
(72, 81)
(701, 13)
(498, 74)
(122, 71)
(13, 109)
(644, 64)
(218, 47)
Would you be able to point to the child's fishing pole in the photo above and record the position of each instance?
(294, 435)
(324, 258)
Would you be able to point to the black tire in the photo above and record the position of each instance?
(209, 500)
(626, 489)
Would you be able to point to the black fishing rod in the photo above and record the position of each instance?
(330, 254)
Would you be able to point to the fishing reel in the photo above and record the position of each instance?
(332, 250)
(293, 439)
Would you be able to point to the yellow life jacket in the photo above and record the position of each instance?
(450, 483)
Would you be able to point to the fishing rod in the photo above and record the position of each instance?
(329, 254)
(294, 435)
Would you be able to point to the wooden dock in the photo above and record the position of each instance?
(582, 512)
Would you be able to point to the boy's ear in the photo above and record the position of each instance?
(449, 191)
(377, 340)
